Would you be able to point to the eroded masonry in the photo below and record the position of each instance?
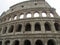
(32, 22)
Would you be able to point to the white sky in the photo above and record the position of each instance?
(5, 4)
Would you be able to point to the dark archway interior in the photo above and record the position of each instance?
(28, 27)
(37, 27)
(19, 27)
(51, 42)
(11, 29)
(4, 30)
(57, 26)
(7, 43)
(16, 42)
(0, 42)
(38, 42)
(47, 27)
(27, 42)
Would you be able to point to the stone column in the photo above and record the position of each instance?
(24, 15)
(32, 14)
(14, 30)
(2, 30)
(3, 42)
(12, 17)
(40, 15)
(32, 27)
(52, 27)
(11, 42)
(7, 19)
(48, 14)
(18, 16)
(22, 42)
(23, 27)
(42, 26)
(8, 29)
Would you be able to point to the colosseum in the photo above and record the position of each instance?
(32, 22)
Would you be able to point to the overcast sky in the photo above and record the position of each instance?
(5, 4)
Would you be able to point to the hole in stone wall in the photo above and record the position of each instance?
(35, 3)
(22, 6)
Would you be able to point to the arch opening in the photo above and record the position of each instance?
(21, 16)
(19, 27)
(50, 42)
(4, 30)
(16, 42)
(0, 42)
(28, 27)
(38, 42)
(27, 42)
(57, 26)
(36, 14)
(15, 17)
(51, 15)
(47, 26)
(7, 42)
(37, 27)
(11, 29)
(28, 15)
(44, 14)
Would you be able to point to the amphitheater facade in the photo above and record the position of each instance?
(32, 22)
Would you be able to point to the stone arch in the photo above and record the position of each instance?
(57, 26)
(37, 27)
(4, 30)
(27, 42)
(47, 26)
(38, 42)
(11, 29)
(28, 15)
(18, 27)
(7, 42)
(28, 27)
(51, 42)
(0, 42)
(36, 14)
(16, 42)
